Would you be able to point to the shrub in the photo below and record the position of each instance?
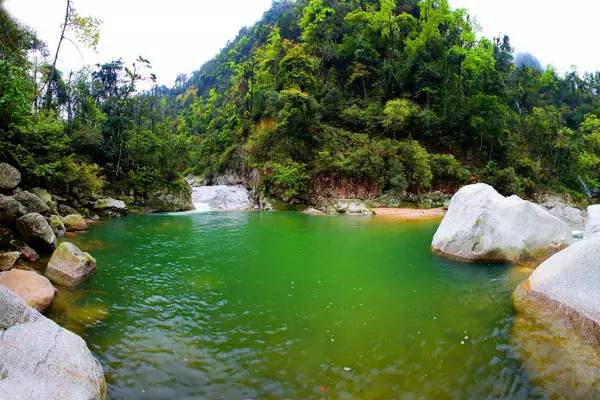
(285, 180)
(447, 170)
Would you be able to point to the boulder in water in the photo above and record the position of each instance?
(34, 229)
(10, 177)
(35, 289)
(41, 360)
(10, 210)
(74, 222)
(557, 329)
(592, 227)
(69, 266)
(32, 203)
(481, 225)
(220, 198)
(8, 260)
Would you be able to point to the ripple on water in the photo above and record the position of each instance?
(277, 305)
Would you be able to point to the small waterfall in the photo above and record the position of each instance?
(220, 198)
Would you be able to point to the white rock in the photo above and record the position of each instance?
(481, 225)
(592, 227)
(220, 198)
(40, 360)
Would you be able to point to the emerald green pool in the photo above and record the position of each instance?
(288, 306)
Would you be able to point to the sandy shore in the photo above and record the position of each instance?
(410, 214)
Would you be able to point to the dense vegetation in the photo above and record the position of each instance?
(393, 95)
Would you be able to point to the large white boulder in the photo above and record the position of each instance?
(481, 225)
(40, 360)
(592, 227)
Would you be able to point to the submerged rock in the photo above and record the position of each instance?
(41, 360)
(75, 222)
(69, 266)
(10, 177)
(10, 210)
(220, 198)
(557, 329)
(592, 227)
(481, 225)
(8, 260)
(34, 229)
(35, 289)
(32, 203)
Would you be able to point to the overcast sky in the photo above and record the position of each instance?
(178, 36)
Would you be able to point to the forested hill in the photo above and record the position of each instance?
(363, 90)
(364, 96)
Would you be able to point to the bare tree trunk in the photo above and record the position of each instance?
(51, 78)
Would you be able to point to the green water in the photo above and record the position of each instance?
(287, 306)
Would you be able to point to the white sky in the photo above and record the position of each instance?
(178, 36)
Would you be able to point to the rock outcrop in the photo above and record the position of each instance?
(69, 266)
(74, 222)
(10, 177)
(345, 206)
(35, 289)
(557, 329)
(168, 200)
(574, 217)
(592, 227)
(10, 210)
(481, 225)
(35, 230)
(8, 260)
(40, 360)
(110, 206)
(32, 203)
(220, 198)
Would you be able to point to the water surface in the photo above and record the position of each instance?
(288, 306)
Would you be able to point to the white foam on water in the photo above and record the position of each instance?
(220, 198)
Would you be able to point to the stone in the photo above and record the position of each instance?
(574, 217)
(32, 203)
(57, 225)
(6, 236)
(69, 266)
(10, 177)
(592, 228)
(75, 222)
(8, 260)
(557, 326)
(65, 210)
(10, 210)
(27, 252)
(221, 198)
(35, 289)
(110, 206)
(345, 206)
(168, 200)
(34, 229)
(41, 360)
(481, 225)
(47, 198)
(312, 211)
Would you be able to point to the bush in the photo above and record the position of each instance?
(416, 163)
(285, 180)
(80, 178)
(447, 170)
(505, 181)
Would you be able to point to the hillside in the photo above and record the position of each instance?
(349, 98)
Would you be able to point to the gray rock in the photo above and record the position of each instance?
(35, 229)
(592, 228)
(10, 210)
(69, 266)
(8, 260)
(110, 206)
(481, 225)
(57, 225)
(10, 177)
(42, 361)
(26, 252)
(345, 206)
(65, 210)
(312, 211)
(167, 200)
(32, 203)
